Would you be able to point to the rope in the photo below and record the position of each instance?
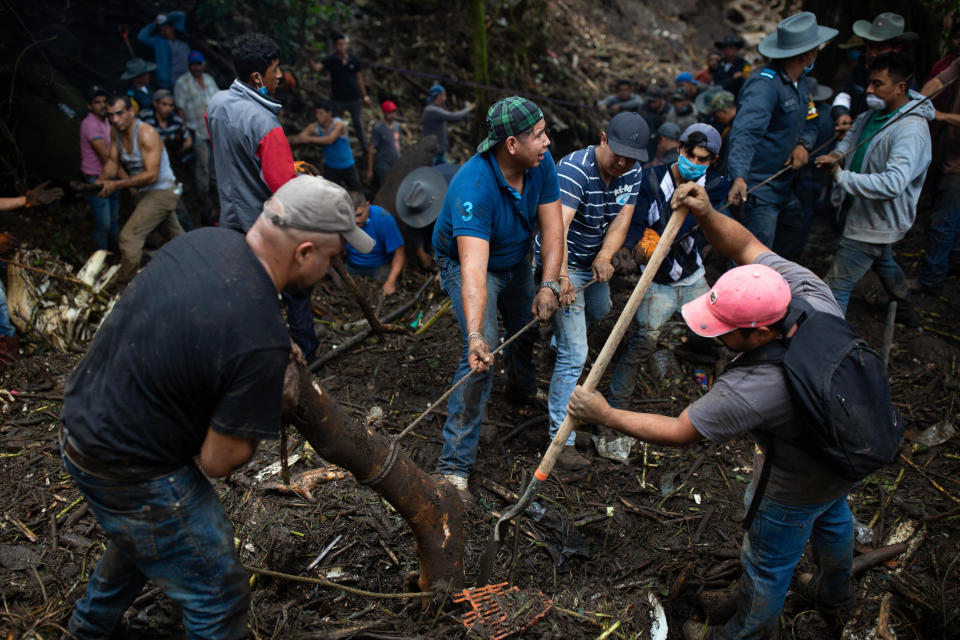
(341, 587)
(393, 452)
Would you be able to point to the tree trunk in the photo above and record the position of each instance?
(481, 71)
(428, 503)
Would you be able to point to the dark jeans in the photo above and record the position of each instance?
(106, 218)
(770, 552)
(300, 319)
(355, 107)
(510, 292)
(944, 239)
(852, 261)
(378, 274)
(346, 178)
(782, 226)
(171, 530)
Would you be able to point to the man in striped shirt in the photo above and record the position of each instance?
(681, 278)
(598, 189)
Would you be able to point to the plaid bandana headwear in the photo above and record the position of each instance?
(509, 117)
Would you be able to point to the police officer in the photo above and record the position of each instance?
(776, 125)
(885, 34)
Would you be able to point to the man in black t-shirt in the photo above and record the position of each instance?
(189, 365)
(347, 91)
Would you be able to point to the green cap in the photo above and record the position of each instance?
(509, 117)
(723, 100)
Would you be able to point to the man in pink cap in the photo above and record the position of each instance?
(803, 500)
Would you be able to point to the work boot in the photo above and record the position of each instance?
(907, 315)
(931, 290)
(719, 604)
(537, 400)
(460, 484)
(694, 630)
(9, 352)
(572, 460)
(807, 588)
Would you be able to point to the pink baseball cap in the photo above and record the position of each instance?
(388, 106)
(753, 295)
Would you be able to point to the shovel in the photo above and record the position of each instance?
(590, 384)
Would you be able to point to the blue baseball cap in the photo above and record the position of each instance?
(685, 77)
(714, 141)
(435, 90)
(195, 56)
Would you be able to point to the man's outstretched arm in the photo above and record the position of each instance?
(728, 236)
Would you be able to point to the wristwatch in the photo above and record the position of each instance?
(553, 286)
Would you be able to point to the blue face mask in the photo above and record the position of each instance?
(690, 170)
(809, 70)
(263, 91)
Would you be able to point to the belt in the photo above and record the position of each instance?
(116, 471)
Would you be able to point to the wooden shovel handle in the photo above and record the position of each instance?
(613, 340)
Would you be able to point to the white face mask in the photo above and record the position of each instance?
(875, 102)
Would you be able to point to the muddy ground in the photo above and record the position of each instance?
(642, 537)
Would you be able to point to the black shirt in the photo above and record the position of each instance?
(343, 77)
(196, 341)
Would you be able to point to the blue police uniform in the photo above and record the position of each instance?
(774, 116)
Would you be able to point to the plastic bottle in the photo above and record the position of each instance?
(863, 533)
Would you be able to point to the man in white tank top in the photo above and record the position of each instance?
(140, 151)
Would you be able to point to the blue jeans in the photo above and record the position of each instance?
(852, 261)
(779, 226)
(510, 292)
(657, 306)
(300, 318)
(6, 326)
(944, 237)
(770, 552)
(106, 219)
(570, 331)
(171, 530)
(379, 273)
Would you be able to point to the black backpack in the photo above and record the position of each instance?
(841, 384)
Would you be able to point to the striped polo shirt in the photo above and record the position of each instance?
(596, 204)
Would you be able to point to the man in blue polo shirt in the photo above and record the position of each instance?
(481, 240)
(385, 261)
(681, 278)
(598, 189)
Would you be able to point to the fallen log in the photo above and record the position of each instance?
(362, 301)
(428, 503)
(877, 556)
(362, 335)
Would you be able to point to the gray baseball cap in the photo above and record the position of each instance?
(627, 135)
(312, 203)
(714, 141)
(669, 130)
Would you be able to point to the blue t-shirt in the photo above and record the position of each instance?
(596, 204)
(480, 204)
(337, 154)
(384, 230)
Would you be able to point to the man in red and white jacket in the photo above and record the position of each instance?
(253, 157)
(251, 152)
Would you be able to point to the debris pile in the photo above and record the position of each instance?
(47, 301)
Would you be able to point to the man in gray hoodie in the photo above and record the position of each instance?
(881, 181)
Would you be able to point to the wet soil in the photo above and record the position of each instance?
(642, 537)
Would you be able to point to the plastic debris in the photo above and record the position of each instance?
(617, 449)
